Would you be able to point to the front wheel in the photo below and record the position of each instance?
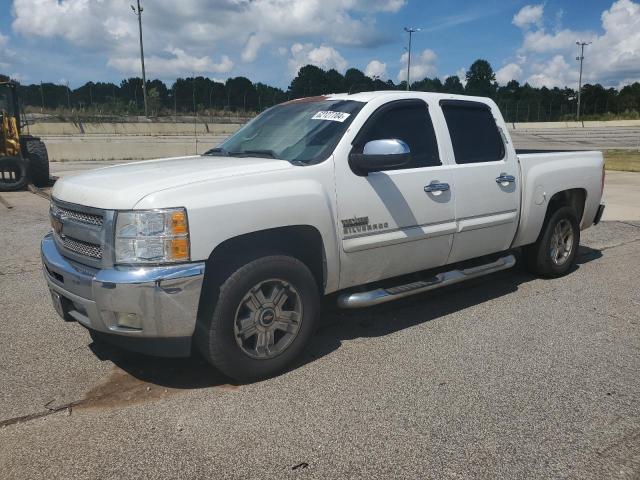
(554, 252)
(265, 314)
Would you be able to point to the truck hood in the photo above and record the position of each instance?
(122, 186)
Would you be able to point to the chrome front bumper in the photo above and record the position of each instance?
(163, 300)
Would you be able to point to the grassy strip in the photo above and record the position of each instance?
(624, 160)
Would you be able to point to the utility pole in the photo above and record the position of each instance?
(41, 96)
(138, 13)
(580, 58)
(410, 31)
(68, 96)
(175, 103)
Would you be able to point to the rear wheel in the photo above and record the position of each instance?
(265, 314)
(554, 252)
(38, 162)
(13, 174)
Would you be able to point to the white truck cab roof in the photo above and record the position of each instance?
(401, 94)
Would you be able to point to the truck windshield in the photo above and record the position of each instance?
(303, 131)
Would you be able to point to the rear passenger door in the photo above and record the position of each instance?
(486, 176)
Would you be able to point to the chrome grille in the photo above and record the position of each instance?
(82, 248)
(83, 217)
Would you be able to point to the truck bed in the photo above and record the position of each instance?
(544, 172)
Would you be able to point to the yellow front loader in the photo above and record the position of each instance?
(23, 158)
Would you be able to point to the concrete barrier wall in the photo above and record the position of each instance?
(113, 150)
(586, 124)
(124, 141)
(61, 128)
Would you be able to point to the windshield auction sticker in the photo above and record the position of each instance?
(329, 115)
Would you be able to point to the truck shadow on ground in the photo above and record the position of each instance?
(156, 377)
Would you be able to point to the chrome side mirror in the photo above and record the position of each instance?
(386, 147)
(378, 155)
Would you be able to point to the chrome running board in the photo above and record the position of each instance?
(382, 295)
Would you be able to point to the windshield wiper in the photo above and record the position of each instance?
(217, 151)
(262, 153)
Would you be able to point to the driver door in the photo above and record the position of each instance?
(394, 222)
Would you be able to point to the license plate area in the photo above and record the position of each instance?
(62, 306)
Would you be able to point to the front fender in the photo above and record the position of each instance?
(224, 209)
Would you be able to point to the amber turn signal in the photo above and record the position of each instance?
(178, 223)
(179, 249)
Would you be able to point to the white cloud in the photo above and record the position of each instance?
(376, 68)
(71, 19)
(462, 75)
(250, 52)
(203, 28)
(323, 56)
(511, 71)
(383, 5)
(540, 41)
(613, 56)
(179, 61)
(5, 53)
(528, 15)
(555, 72)
(421, 66)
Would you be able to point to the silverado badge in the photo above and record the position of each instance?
(360, 225)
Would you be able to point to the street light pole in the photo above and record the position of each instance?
(410, 31)
(580, 58)
(138, 13)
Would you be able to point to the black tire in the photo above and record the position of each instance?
(538, 256)
(13, 174)
(216, 337)
(36, 151)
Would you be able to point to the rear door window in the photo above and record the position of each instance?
(474, 134)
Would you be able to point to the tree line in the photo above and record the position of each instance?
(201, 95)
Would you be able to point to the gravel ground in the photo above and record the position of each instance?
(507, 376)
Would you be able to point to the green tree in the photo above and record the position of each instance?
(242, 94)
(629, 97)
(428, 85)
(481, 79)
(309, 82)
(356, 81)
(153, 101)
(452, 84)
(335, 81)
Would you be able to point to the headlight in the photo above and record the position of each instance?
(152, 236)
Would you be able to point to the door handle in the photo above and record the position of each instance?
(504, 178)
(436, 187)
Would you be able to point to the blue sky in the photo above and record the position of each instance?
(267, 40)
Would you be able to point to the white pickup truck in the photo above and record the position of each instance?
(375, 196)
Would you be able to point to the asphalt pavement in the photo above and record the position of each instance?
(508, 376)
